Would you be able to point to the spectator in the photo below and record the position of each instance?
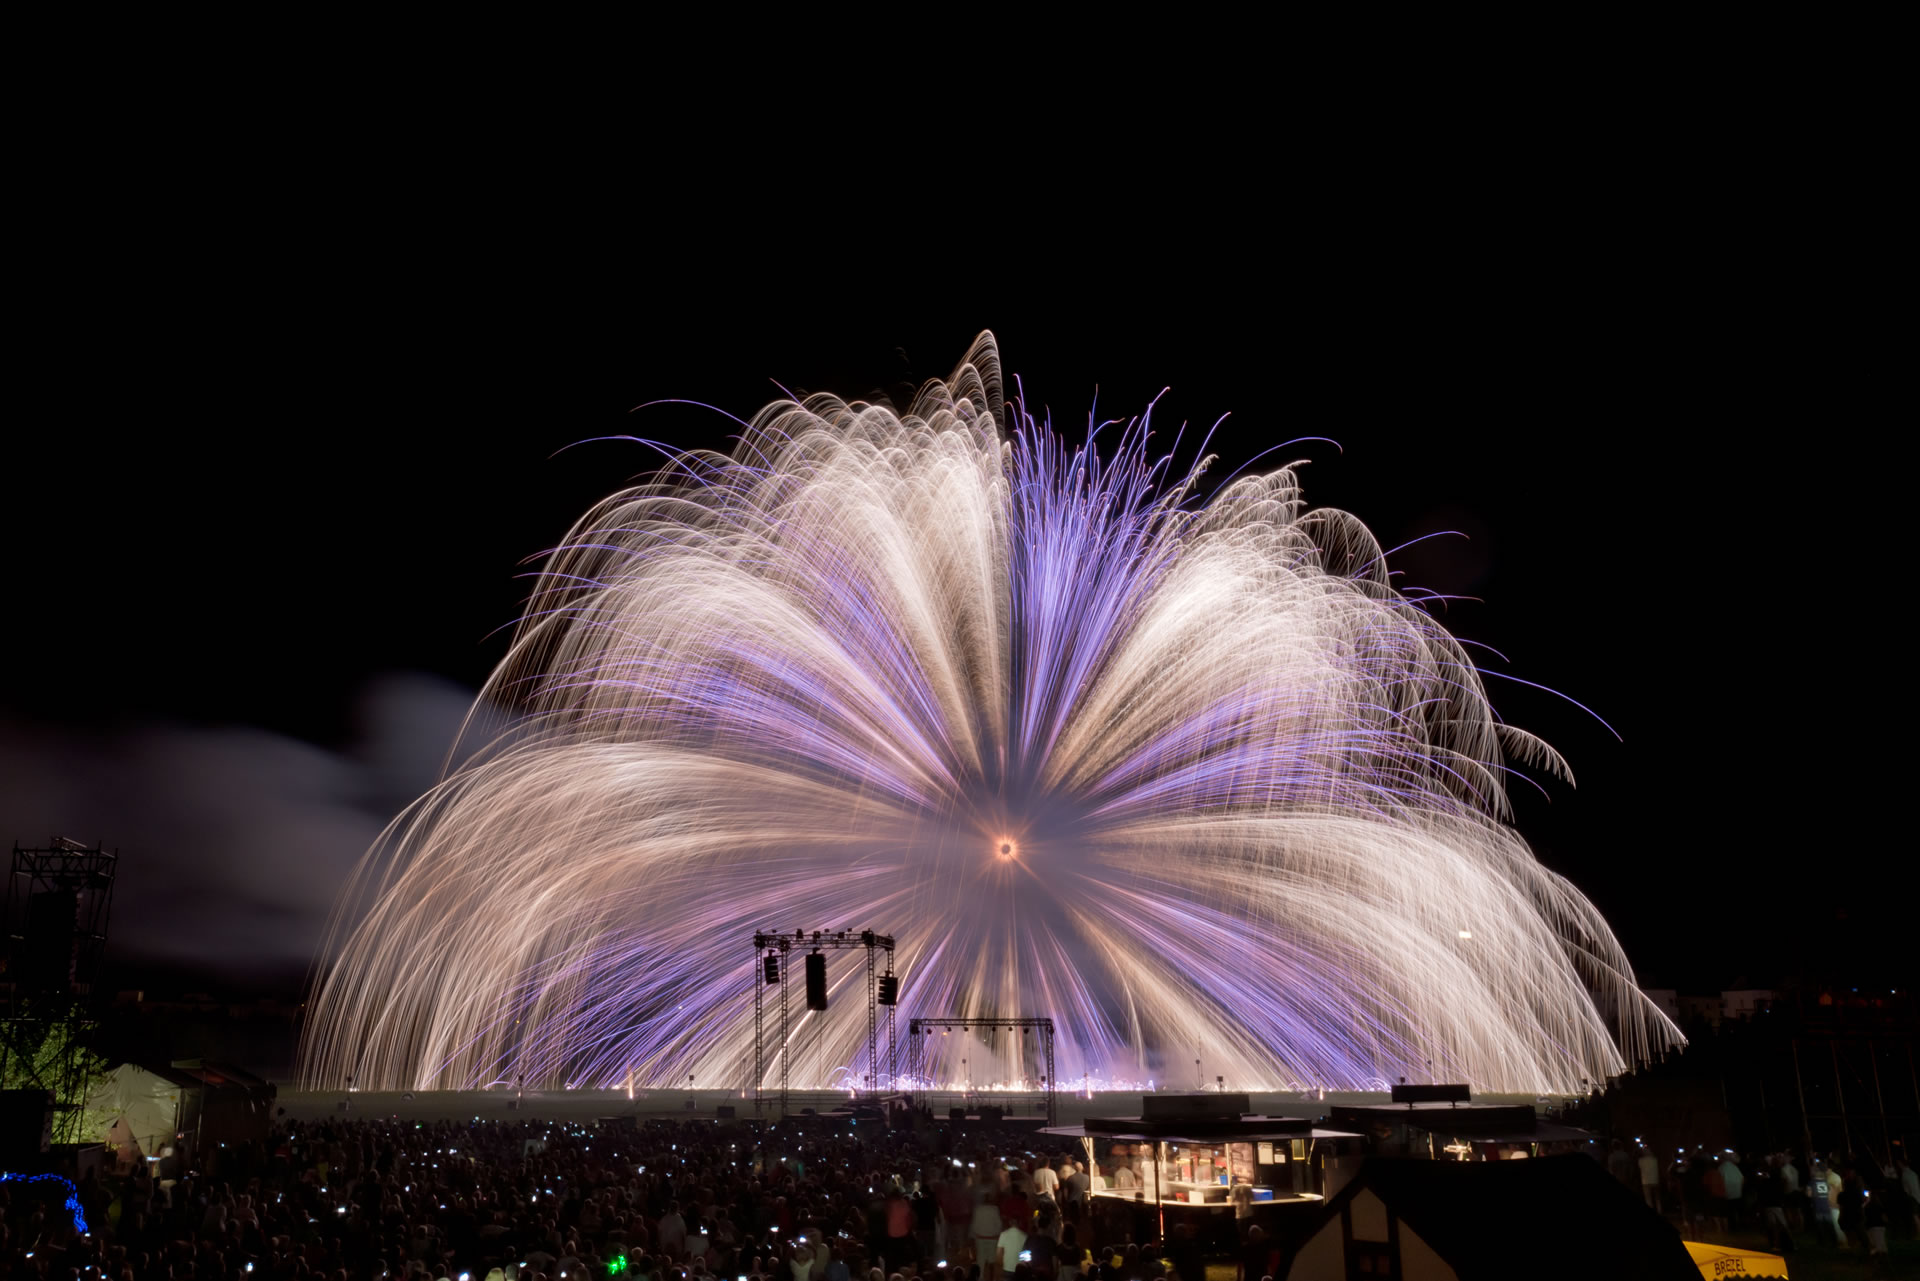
(1764, 1188)
(1241, 1194)
(671, 1232)
(1850, 1202)
(1792, 1196)
(1189, 1262)
(1259, 1257)
(1016, 1210)
(1046, 1183)
(1909, 1184)
(1011, 1241)
(1619, 1164)
(926, 1220)
(1078, 1187)
(1649, 1168)
(1733, 1184)
(1873, 1218)
(985, 1231)
(899, 1245)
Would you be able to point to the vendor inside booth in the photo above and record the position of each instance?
(1186, 1171)
(1203, 1160)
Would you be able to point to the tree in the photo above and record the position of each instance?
(56, 1056)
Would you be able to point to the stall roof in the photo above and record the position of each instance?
(1243, 1126)
(1475, 1122)
(216, 1074)
(1145, 1134)
(1542, 1132)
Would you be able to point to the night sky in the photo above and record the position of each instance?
(261, 557)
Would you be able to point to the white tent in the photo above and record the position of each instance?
(134, 1111)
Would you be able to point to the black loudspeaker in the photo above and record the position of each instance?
(889, 993)
(772, 965)
(816, 981)
(723, 1112)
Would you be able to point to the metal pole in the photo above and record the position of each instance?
(1053, 1086)
(1886, 1131)
(1806, 1126)
(786, 1037)
(1160, 1205)
(1846, 1131)
(873, 1040)
(759, 1029)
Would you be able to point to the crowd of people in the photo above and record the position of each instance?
(1834, 1199)
(394, 1200)
(391, 1200)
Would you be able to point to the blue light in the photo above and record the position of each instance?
(73, 1198)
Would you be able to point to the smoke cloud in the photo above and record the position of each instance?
(235, 841)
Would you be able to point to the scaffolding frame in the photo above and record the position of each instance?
(781, 945)
(51, 994)
(918, 1028)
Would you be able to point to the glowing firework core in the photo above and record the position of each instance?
(803, 683)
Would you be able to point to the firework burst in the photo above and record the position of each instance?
(1187, 774)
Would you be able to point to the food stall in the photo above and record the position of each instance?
(1462, 1131)
(1201, 1159)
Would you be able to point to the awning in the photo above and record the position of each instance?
(1081, 1132)
(1717, 1261)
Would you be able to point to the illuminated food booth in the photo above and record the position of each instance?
(1201, 1159)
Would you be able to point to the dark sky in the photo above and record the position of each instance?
(261, 548)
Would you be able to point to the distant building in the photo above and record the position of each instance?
(1700, 1009)
(1745, 1003)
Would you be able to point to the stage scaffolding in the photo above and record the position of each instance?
(781, 947)
(58, 903)
(918, 1029)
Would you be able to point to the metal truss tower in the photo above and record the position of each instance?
(59, 902)
(778, 948)
(918, 1029)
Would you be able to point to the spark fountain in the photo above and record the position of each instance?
(1183, 771)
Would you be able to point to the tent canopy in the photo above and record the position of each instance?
(137, 1103)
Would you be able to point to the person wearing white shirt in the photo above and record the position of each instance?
(1046, 1182)
(986, 1229)
(1012, 1242)
(1733, 1181)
